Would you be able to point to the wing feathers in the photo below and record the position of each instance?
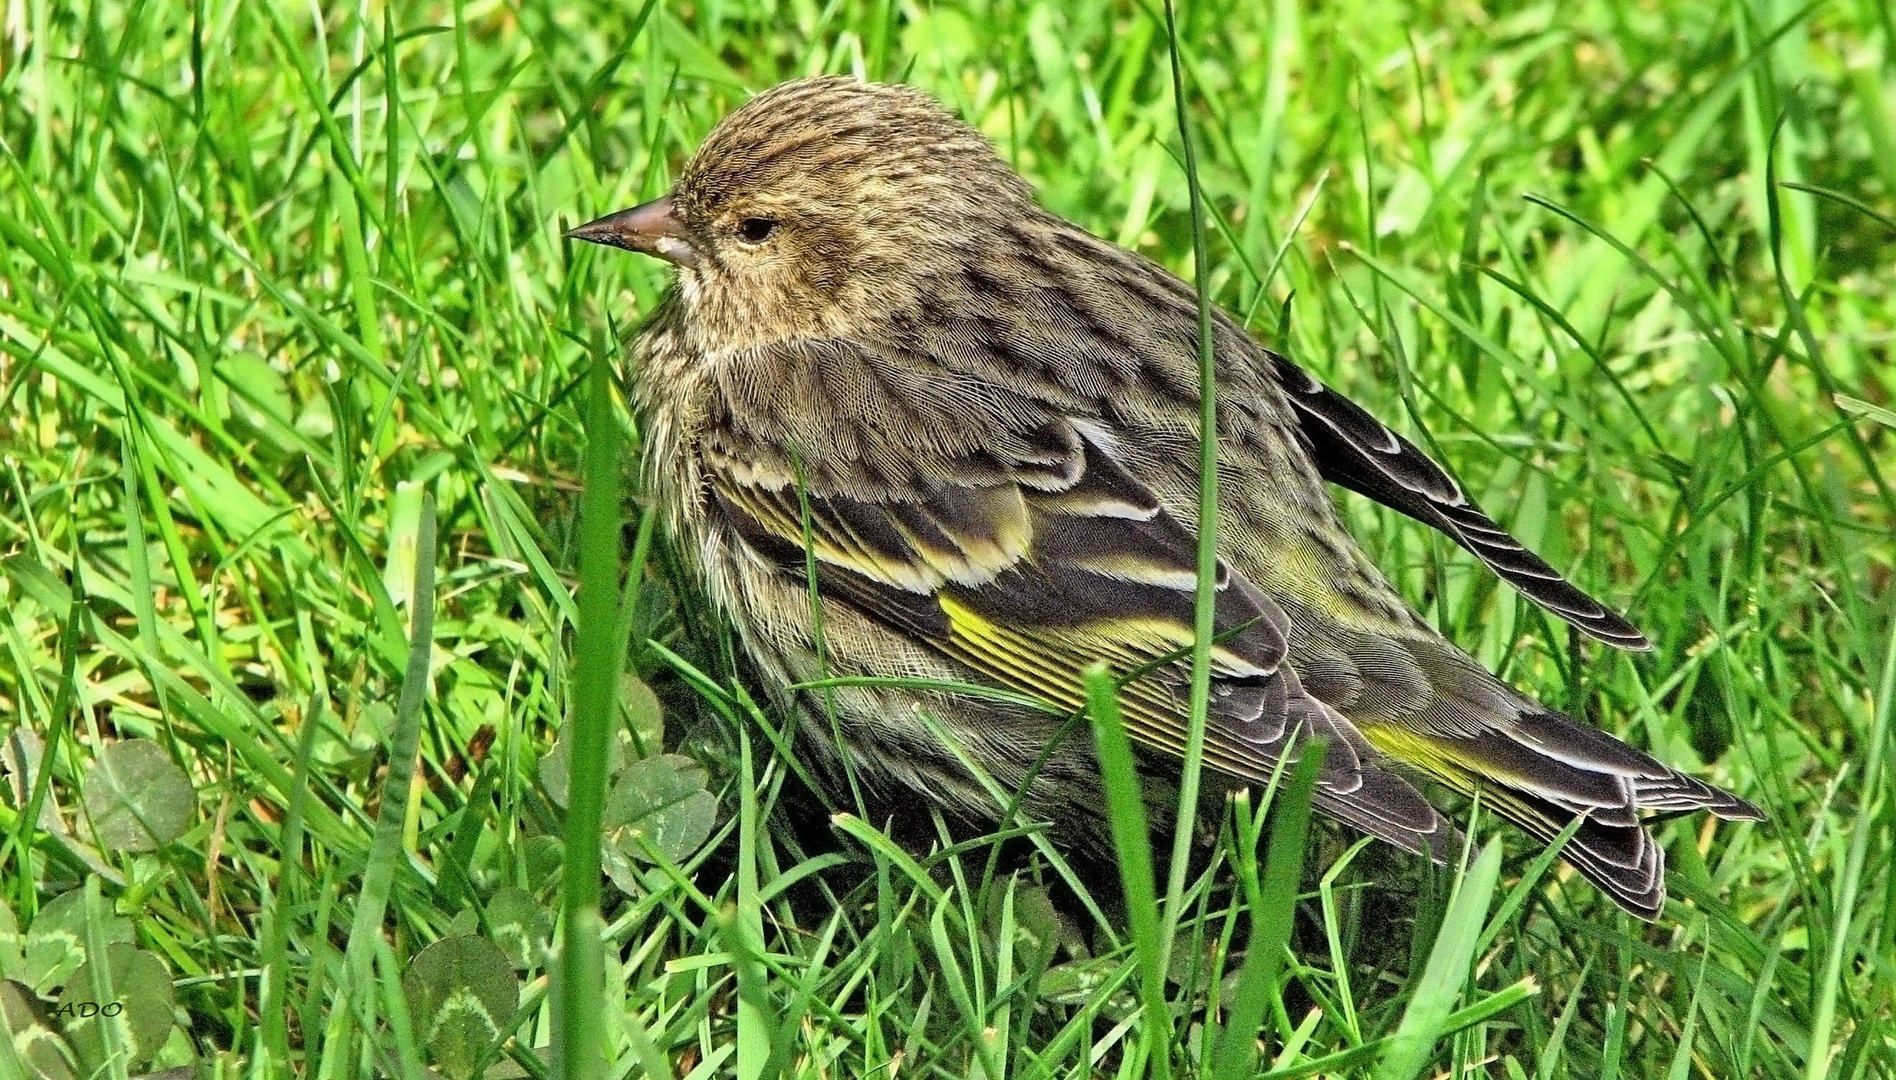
(1029, 583)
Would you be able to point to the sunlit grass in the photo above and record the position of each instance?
(279, 301)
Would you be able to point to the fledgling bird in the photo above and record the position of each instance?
(981, 423)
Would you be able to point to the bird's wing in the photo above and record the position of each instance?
(1028, 566)
(1354, 449)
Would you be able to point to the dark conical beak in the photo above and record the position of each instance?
(653, 228)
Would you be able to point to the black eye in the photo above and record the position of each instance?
(755, 230)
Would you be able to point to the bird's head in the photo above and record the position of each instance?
(821, 205)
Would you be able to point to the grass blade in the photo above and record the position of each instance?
(578, 1008)
(1426, 1018)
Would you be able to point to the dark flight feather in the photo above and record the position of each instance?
(1357, 451)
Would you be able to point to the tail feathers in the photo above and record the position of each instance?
(1582, 760)
(1625, 861)
(1542, 771)
(1506, 757)
(1679, 794)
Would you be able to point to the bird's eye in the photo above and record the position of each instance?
(755, 230)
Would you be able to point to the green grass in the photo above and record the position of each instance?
(291, 353)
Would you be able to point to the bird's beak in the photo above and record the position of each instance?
(653, 228)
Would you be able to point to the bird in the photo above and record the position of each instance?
(931, 442)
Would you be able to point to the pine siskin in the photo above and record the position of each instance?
(983, 423)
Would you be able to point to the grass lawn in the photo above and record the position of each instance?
(295, 409)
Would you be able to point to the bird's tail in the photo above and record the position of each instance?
(1541, 771)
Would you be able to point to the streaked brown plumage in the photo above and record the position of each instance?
(984, 421)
